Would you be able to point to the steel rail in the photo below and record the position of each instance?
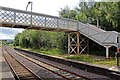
(52, 66)
(43, 67)
(37, 77)
(12, 69)
(103, 71)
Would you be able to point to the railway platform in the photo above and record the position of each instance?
(5, 71)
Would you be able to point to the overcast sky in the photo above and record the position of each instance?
(9, 33)
(50, 7)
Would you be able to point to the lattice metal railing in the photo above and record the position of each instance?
(25, 18)
(14, 16)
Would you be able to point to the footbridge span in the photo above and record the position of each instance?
(24, 19)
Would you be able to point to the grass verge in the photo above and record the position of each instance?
(94, 60)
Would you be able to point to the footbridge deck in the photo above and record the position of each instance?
(24, 19)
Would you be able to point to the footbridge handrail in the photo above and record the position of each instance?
(24, 18)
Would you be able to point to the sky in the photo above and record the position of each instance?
(9, 33)
(50, 7)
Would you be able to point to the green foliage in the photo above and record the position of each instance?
(24, 39)
(84, 58)
(5, 42)
(53, 52)
(93, 59)
(16, 40)
(108, 14)
(37, 39)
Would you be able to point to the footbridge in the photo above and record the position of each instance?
(29, 20)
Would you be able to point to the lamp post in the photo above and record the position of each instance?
(28, 5)
(98, 20)
(31, 10)
(118, 50)
(97, 23)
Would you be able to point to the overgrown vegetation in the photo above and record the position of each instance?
(107, 13)
(53, 52)
(94, 60)
(42, 40)
(6, 42)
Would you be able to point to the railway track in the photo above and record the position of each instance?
(57, 70)
(20, 71)
(64, 72)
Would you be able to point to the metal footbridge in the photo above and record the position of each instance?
(24, 19)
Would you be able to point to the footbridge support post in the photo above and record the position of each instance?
(73, 43)
(77, 43)
(107, 51)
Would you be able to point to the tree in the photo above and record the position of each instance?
(107, 13)
(37, 39)
(16, 40)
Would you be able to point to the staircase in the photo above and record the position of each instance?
(102, 37)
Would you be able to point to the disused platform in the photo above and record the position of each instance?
(5, 71)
